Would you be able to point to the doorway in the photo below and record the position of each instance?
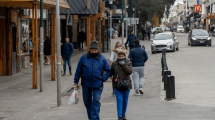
(14, 29)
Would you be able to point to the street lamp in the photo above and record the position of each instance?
(133, 18)
(110, 2)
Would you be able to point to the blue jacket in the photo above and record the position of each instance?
(91, 71)
(138, 56)
(131, 39)
(67, 50)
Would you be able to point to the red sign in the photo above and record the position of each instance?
(197, 8)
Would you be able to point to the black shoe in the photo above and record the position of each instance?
(70, 73)
(124, 117)
(120, 118)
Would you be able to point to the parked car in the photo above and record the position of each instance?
(199, 37)
(156, 30)
(180, 29)
(166, 40)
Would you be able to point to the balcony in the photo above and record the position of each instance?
(204, 1)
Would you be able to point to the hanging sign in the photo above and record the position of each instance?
(197, 8)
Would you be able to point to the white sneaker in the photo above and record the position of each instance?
(136, 93)
(141, 91)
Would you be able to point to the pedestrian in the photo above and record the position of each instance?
(91, 68)
(122, 68)
(66, 52)
(131, 39)
(138, 57)
(47, 50)
(110, 31)
(149, 33)
(81, 39)
(115, 34)
(114, 52)
(119, 33)
(212, 30)
(143, 33)
(171, 28)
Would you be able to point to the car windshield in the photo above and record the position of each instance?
(200, 33)
(163, 37)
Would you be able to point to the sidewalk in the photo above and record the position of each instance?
(19, 102)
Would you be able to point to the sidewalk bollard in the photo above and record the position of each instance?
(170, 88)
(166, 73)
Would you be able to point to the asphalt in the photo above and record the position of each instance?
(19, 102)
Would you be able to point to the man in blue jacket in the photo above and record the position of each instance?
(131, 39)
(138, 57)
(91, 69)
(66, 53)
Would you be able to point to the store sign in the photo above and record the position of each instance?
(197, 8)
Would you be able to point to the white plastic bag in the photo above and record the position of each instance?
(74, 97)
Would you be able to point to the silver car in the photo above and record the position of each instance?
(166, 40)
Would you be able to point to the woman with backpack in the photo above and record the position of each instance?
(121, 70)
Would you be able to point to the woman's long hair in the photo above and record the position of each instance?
(117, 44)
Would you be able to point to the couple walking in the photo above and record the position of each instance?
(90, 69)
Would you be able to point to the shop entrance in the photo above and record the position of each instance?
(2, 47)
(14, 48)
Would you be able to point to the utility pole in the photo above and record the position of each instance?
(41, 46)
(59, 102)
(186, 15)
(123, 23)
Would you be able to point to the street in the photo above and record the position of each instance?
(191, 66)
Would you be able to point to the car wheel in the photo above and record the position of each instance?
(153, 52)
(188, 43)
(209, 45)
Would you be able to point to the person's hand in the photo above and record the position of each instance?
(121, 62)
(76, 85)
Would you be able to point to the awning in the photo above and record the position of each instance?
(79, 7)
(27, 4)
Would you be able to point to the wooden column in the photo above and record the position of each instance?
(93, 29)
(9, 44)
(103, 35)
(88, 33)
(99, 34)
(53, 44)
(35, 45)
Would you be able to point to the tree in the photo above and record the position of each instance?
(151, 8)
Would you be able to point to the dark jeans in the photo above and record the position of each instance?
(79, 45)
(131, 46)
(149, 36)
(91, 98)
(69, 63)
(143, 36)
(122, 101)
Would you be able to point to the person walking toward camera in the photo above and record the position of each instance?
(66, 52)
(138, 57)
(90, 69)
(121, 71)
(131, 39)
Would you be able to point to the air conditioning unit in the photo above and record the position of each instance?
(24, 12)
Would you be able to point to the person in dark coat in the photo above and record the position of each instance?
(122, 68)
(81, 39)
(138, 57)
(149, 33)
(212, 30)
(47, 50)
(143, 33)
(91, 69)
(131, 39)
(66, 53)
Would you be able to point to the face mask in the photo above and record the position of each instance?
(94, 55)
(123, 59)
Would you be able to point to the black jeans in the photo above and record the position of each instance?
(149, 36)
(79, 45)
(131, 46)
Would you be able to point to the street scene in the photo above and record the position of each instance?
(107, 60)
